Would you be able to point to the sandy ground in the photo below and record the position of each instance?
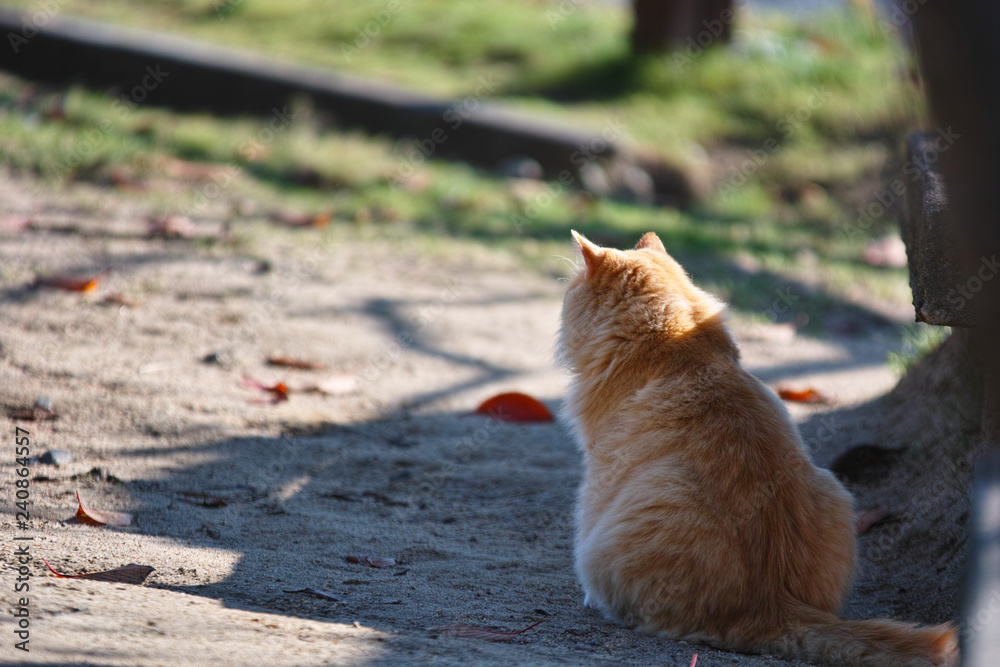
(476, 513)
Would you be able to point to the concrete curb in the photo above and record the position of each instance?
(190, 75)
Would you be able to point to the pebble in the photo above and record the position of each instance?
(55, 457)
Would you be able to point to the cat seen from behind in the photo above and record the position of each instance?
(700, 516)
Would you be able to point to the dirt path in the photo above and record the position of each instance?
(475, 513)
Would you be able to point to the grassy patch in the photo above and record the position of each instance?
(790, 128)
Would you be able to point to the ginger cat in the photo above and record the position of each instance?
(700, 516)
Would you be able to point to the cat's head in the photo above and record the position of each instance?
(621, 297)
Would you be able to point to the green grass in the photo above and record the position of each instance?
(828, 97)
(919, 340)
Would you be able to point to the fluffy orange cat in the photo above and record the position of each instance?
(700, 515)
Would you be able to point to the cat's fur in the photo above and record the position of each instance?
(700, 515)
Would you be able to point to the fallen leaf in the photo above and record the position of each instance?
(694, 660)
(120, 300)
(121, 179)
(802, 396)
(68, 283)
(14, 223)
(470, 632)
(301, 364)
(128, 574)
(333, 385)
(279, 392)
(192, 171)
(870, 518)
(101, 517)
(318, 220)
(317, 593)
(372, 561)
(171, 227)
(203, 499)
(515, 407)
(34, 413)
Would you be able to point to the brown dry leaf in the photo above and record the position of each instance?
(121, 179)
(802, 395)
(515, 407)
(469, 632)
(290, 362)
(34, 413)
(372, 561)
(68, 283)
(203, 499)
(128, 574)
(318, 220)
(191, 171)
(317, 593)
(870, 518)
(279, 391)
(101, 517)
(172, 227)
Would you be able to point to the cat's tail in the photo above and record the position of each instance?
(824, 639)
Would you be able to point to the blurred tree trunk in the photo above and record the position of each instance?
(666, 25)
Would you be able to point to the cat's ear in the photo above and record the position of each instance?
(593, 255)
(651, 241)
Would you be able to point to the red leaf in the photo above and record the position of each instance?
(68, 283)
(101, 517)
(802, 396)
(128, 574)
(470, 632)
(279, 392)
(372, 561)
(694, 660)
(317, 593)
(14, 223)
(318, 220)
(870, 518)
(301, 364)
(515, 407)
